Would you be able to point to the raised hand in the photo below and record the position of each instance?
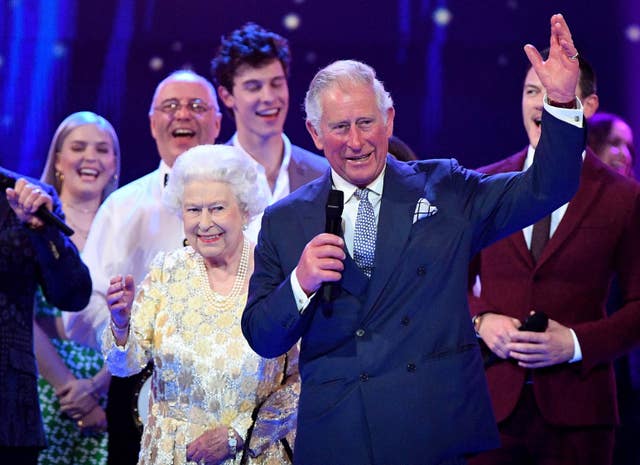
(120, 296)
(560, 72)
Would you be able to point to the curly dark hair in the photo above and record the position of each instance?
(252, 45)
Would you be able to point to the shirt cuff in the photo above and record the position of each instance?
(577, 351)
(302, 301)
(568, 115)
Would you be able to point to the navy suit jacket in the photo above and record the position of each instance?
(394, 375)
(29, 259)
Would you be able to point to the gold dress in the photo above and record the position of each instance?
(205, 373)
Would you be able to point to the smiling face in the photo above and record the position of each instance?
(352, 132)
(616, 151)
(532, 94)
(86, 161)
(213, 220)
(259, 100)
(176, 132)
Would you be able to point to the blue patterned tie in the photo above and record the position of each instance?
(364, 238)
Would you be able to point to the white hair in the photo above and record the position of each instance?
(343, 72)
(219, 163)
(185, 75)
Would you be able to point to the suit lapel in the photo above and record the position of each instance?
(313, 214)
(297, 171)
(579, 206)
(402, 189)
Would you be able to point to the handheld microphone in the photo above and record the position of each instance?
(537, 322)
(42, 212)
(333, 225)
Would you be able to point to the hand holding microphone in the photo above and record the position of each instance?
(31, 204)
(333, 225)
(321, 259)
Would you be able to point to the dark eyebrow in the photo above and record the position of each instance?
(251, 82)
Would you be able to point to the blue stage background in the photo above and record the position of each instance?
(454, 68)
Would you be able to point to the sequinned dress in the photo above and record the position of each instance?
(205, 373)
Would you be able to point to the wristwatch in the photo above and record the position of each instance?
(233, 442)
(476, 323)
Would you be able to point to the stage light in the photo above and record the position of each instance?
(291, 21)
(156, 63)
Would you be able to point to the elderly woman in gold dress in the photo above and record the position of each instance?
(213, 399)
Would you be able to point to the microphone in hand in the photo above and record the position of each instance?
(42, 212)
(333, 225)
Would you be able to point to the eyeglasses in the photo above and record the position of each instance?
(171, 106)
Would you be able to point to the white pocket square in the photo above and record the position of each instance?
(424, 210)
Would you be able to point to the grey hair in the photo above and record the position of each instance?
(343, 72)
(219, 163)
(71, 122)
(186, 75)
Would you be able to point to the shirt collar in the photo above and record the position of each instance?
(286, 156)
(165, 170)
(349, 189)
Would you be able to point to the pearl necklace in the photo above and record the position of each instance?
(227, 301)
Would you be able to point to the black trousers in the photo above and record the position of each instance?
(19, 455)
(124, 433)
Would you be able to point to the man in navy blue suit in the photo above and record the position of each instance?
(391, 370)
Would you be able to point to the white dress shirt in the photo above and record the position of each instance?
(349, 214)
(281, 188)
(556, 217)
(131, 227)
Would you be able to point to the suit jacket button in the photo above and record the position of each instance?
(360, 332)
(405, 321)
(364, 377)
(421, 271)
(411, 367)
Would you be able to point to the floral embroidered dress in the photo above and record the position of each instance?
(205, 373)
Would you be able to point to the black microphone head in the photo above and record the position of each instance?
(6, 181)
(335, 203)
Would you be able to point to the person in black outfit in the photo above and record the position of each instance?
(32, 254)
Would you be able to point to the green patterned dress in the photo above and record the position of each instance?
(66, 444)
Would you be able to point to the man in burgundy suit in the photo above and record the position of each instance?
(553, 392)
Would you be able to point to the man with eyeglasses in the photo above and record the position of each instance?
(250, 71)
(132, 226)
